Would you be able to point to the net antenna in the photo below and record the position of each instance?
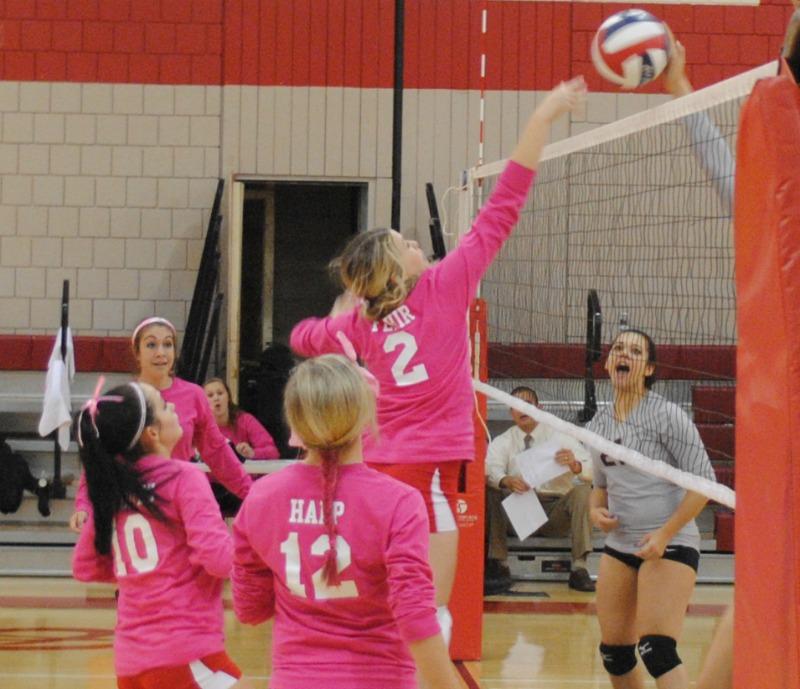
(435, 225)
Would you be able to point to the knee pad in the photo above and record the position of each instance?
(445, 623)
(618, 660)
(659, 653)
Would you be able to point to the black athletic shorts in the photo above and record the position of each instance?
(679, 553)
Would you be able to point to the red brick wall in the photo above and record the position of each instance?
(530, 45)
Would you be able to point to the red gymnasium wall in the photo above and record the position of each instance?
(349, 42)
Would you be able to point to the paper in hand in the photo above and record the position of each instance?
(525, 513)
(538, 465)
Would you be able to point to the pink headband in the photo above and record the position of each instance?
(155, 320)
(90, 407)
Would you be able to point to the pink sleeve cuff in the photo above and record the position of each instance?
(517, 176)
(419, 628)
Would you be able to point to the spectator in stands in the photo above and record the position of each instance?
(154, 344)
(565, 499)
(248, 437)
(652, 550)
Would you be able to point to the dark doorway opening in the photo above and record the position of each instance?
(290, 233)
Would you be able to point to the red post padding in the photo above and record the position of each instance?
(466, 601)
(767, 626)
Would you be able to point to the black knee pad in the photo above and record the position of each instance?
(618, 660)
(659, 654)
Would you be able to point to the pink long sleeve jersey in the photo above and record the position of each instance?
(420, 352)
(200, 430)
(169, 572)
(348, 637)
(247, 429)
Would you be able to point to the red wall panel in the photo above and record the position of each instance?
(529, 45)
(352, 42)
(250, 41)
(370, 45)
(335, 44)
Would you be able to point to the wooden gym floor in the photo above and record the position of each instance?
(57, 634)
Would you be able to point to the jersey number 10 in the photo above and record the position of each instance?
(141, 562)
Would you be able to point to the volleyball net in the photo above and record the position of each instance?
(629, 225)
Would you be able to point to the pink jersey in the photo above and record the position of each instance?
(247, 429)
(200, 430)
(169, 573)
(353, 636)
(420, 352)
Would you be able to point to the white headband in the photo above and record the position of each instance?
(142, 416)
(155, 320)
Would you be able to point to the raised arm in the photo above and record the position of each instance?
(565, 97)
(709, 146)
(316, 336)
(458, 274)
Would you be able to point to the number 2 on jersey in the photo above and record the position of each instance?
(291, 549)
(408, 348)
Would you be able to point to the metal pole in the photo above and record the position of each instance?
(58, 490)
(397, 121)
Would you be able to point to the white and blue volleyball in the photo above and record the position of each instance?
(631, 48)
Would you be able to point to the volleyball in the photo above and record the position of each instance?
(631, 48)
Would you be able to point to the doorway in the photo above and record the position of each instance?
(290, 232)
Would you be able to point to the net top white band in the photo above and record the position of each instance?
(698, 101)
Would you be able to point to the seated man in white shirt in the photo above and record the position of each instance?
(565, 499)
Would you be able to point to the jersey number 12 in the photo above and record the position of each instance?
(322, 591)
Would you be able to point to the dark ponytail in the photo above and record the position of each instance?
(108, 437)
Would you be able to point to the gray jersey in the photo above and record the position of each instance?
(661, 431)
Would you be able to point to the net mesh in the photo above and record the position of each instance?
(639, 211)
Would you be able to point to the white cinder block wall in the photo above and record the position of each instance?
(109, 186)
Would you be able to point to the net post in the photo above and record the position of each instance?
(466, 602)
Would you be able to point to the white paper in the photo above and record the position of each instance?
(538, 465)
(525, 513)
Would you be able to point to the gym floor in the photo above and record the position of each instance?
(57, 634)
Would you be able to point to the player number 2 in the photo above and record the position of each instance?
(147, 562)
(408, 348)
(291, 549)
